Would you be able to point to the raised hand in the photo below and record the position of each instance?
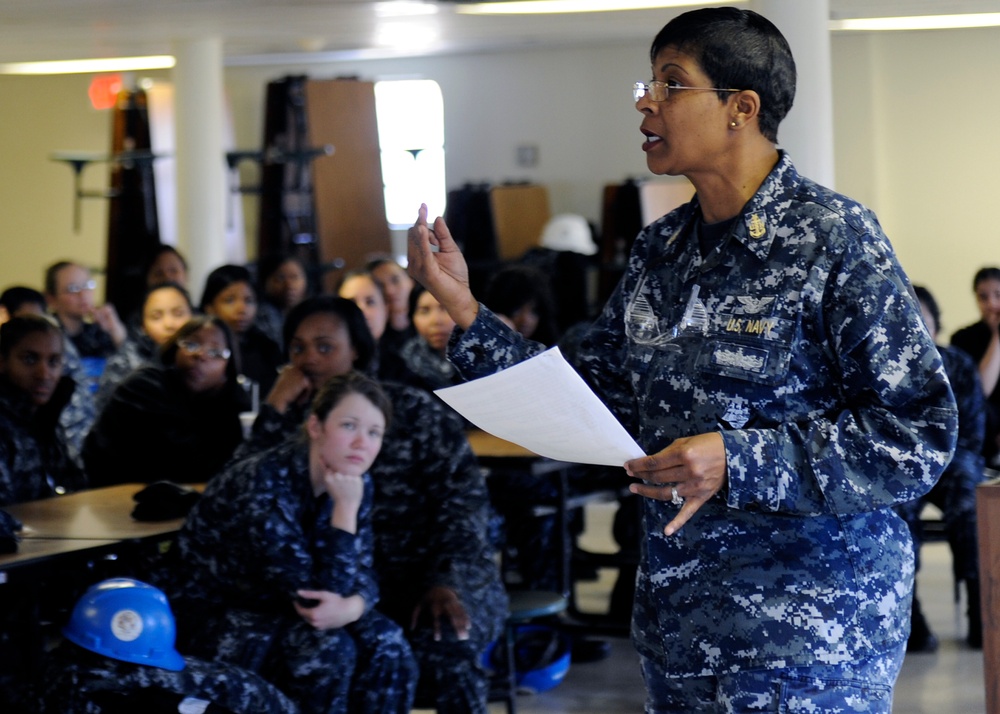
(435, 261)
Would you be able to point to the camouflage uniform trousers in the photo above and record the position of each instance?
(364, 668)
(860, 687)
(74, 676)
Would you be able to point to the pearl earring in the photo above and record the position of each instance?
(732, 124)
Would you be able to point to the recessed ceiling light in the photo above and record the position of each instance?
(918, 22)
(85, 66)
(539, 7)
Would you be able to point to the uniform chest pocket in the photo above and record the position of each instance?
(749, 349)
(761, 363)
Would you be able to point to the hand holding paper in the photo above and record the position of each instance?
(543, 405)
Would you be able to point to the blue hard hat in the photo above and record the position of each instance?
(128, 620)
(541, 657)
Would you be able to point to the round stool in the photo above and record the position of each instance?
(525, 606)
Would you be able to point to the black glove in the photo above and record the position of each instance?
(163, 501)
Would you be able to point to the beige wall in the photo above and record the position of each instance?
(39, 115)
(915, 123)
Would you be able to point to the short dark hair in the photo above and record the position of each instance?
(354, 382)
(983, 274)
(267, 265)
(379, 260)
(17, 328)
(927, 299)
(515, 286)
(221, 278)
(415, 294)
(737, 49)
(13, 298)
(155, 254)
(167, 285)
(341, 308)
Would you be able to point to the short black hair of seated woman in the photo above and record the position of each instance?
(983, 274)
(925, 297)
(166, 285)
(17, 328)
(515, 286)
(168, 353)
(737, 49)
(336, 388)
(343, 309)
(415, 294)
(155, 254)
(16, 296)
(221, 278)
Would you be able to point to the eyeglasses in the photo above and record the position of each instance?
(75, 288)
(190, 347)
(659, 91)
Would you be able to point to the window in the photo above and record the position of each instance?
(410, 116)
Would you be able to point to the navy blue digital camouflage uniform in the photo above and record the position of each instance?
(136, 351)
(833, 405)
(79, 415)
(955, 492)
(529, 541)
(34, 464)
(92, 341)
(258, 535)
(74, 676)
(955, 495)
(34, 460)
(430, 521)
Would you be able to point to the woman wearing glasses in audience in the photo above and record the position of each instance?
(766, 351)
(178, 421)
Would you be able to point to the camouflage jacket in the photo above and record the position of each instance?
(137, 351)
(258, 534)
(93, 341)
(968, 462)
(75, 679)
(34, 462)
(79, 415)
(805, 350)
(427, 369)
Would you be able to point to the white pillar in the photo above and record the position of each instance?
(201, 167)
(807, 131)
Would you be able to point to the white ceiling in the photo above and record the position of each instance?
(278, 31)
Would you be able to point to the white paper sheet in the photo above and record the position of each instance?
(543, 405)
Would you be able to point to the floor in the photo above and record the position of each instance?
(949, 681)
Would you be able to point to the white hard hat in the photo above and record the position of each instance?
(569, 231)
